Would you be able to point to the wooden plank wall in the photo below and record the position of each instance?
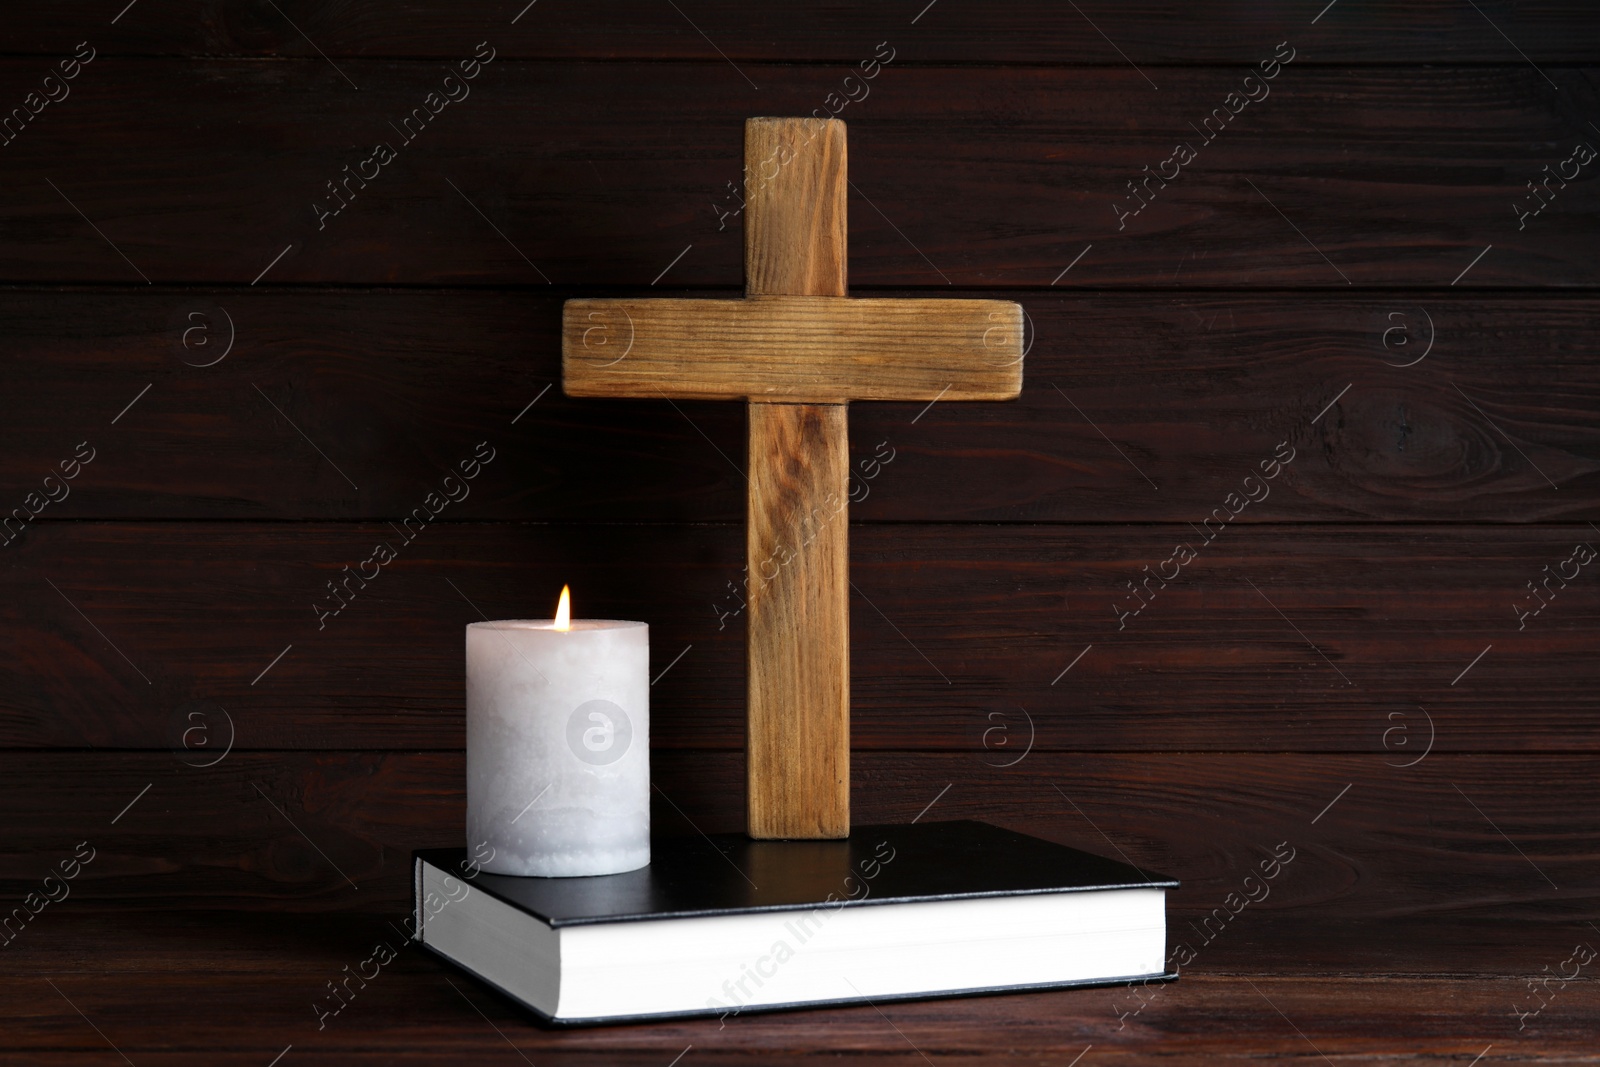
(1346, 287)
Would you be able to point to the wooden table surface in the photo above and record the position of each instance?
(1348, 354)
(233, 988)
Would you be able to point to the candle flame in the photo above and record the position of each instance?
(564, 610)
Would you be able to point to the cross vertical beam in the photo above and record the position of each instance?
(797, 522)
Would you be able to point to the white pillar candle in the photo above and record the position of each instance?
(558, 746)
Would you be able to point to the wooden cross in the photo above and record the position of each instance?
(797, 350)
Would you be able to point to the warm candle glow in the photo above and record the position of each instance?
(564, 610)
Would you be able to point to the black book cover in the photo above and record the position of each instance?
(720, 874)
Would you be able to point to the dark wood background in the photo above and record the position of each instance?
(1342, 669)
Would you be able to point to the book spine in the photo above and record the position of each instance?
(416, 900)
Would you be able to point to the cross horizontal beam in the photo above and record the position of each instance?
(793, 349)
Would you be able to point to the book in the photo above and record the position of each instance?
(721, 924)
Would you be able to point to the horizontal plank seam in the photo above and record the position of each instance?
(764, 60)
(635, 290)
(958, 524)
(1568, 750)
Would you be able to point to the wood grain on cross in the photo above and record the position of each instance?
(797, 349)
